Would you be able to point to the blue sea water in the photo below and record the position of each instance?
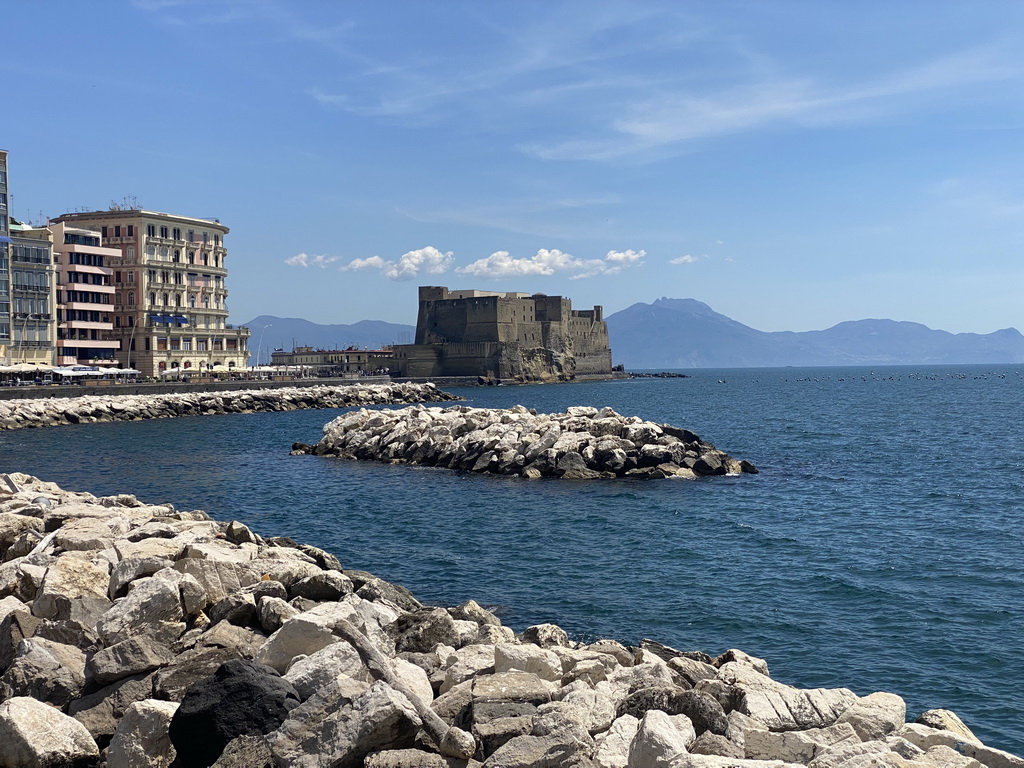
(880, 548)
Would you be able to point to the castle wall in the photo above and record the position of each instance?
(504, 335)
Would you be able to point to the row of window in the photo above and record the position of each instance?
(85, 259)
(176, 344)
(30, 254)
(81, 315)
(86, 279)
(73, 239)
(166, 254)
(195, 280)
(31, 305)
(84, 297)
(129, 230)
(175, 234)
(30, 279)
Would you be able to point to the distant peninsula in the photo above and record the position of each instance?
(686, 333)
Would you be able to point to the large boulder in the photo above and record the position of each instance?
(134, 656)
(48, 671)
(141, 739)
(660, 739)
(241, 699)
(36, 735)
(341, 724)
(875, 716)
(152, 607)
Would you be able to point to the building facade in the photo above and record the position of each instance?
(337, 362)
(169, 279)
(85, 297)
(27, 287)
(5, 264)
(514, 336)
(32, 295)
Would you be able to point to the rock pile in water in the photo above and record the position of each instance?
(55, 411)
(139, 635)
(581, 443)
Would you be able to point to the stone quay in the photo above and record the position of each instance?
(88, 409)
(141, 636)
(582, 443)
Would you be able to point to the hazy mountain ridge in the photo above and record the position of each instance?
(288, 332)
(686, 333)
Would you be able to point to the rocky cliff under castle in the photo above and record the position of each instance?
(508, 336)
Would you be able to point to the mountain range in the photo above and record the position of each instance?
(686, 333)
(270, 333)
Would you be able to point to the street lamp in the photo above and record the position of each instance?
(259, 348)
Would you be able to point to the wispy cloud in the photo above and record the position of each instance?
(674, 116)
(539, 216)
(305, 260)
(502, 265)
(685, 259)
(988, 197)
(408, 266)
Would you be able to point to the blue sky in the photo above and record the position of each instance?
(792, 164)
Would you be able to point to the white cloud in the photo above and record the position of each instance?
(374, 262)
(687, 259)
(409, 265)
(428, 260)
(501, 265)
(626, 257)
(305, 260)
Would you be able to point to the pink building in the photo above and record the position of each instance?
(85, 297)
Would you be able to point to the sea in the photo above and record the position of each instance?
(881, 547)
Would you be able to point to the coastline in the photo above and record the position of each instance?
(94, 408)
(150, 612)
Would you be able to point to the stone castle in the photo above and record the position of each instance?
(511, 336)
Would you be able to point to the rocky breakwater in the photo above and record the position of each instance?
(88, 409)
(581, 443)
(135, 635)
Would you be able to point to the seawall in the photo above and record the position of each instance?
(88, 409)
(137, 635)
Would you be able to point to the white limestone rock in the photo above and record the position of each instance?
(660, 740)
(876, 715)
(468, 662)
(141, 738)
(940, 719)
(300, 636)
(623, 680)
(796, 746)
(67, 579)
(924, 737)
(780, 707)
(151, 607)
(36, 735)
(342, 724)
(857, 754)
(613, 745)
(46, 670)
(528, 658)
(218, 579)
(593, 710)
